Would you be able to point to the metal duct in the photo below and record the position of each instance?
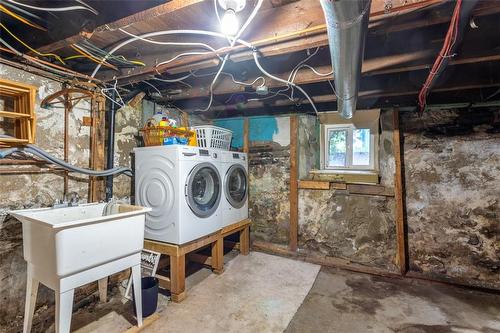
(347, 24)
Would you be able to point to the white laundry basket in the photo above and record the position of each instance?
(208, 136)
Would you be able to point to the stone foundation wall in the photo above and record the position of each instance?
(452, 163)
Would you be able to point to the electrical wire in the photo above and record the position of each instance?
(20, 10)
(180, 56)
(167, 32)
(89, 56)
(198, 32)
(56, 9)
(98, 53)
(226, 57)
(30, 48)
(20, 18)
(169, 43)
(33, 60)
(154, 87)
(257, 62)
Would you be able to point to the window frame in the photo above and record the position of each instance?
(327, 128)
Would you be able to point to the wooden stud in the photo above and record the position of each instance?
(401, 256)
(294, 196)
(246, 142)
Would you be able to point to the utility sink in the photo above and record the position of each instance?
(68, 247)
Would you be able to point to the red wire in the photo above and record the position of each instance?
(449, 42)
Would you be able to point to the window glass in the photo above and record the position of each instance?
(337, 148)
(361, 146)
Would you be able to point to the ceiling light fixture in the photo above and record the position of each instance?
(229, 22)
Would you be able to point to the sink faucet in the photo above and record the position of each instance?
(69, 200)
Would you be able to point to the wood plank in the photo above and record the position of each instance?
(274, 37)
(163, 281)
(168, 8)
(401, 255)
(338, 186)
(15, 115)
(294, 193)
(369, 190)
(246, 142)
(321, 259)
(313, 185)
(230, 229)
(145, 323)
(178, 278)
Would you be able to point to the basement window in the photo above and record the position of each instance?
(350, 145)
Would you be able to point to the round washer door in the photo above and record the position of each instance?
(236, 186)
(203, 189)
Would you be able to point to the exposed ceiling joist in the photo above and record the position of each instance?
(367, 94)
(284, 38)
(376, 66)
(170, 7)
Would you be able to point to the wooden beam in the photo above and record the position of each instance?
(362, 95)
(371, 67)
(246, 142)
(287, 35)
(369, 190)
(294, 193)
(169, 7)
(321, 259)
(401, 255)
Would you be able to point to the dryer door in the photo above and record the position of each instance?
(236, 186)
(203, 189)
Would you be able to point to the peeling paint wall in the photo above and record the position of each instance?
(269, 178)
(359, 228)
(41, 190)
(452, 162)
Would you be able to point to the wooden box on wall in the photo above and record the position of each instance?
(17, 113)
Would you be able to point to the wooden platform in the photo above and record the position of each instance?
(176, 283)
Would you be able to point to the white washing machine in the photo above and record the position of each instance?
(234, 173)
(183, 186)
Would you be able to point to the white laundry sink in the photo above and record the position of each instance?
(72, 246)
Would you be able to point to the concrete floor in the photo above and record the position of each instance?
(342, 301)
(338, 301)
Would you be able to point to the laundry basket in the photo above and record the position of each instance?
(209, 136)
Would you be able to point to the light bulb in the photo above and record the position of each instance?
(229, 23)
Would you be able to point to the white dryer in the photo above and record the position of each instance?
(234, 173)
(183, 186)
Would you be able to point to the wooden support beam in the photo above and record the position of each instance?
(275, 36)
(369, 190)
(167, 8)
(401, 255)
(367, 94)
(294, 195)
(246, 143)
(390, 64)
(97, 190)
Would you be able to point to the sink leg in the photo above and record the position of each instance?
(136, 278)
(29, 306)
(64, 308)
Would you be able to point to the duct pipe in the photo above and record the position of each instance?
(347, 26)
